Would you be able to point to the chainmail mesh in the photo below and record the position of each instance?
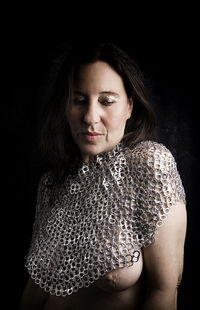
(105, 212)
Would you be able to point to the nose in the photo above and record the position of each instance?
(91, 113)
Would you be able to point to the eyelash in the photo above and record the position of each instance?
(83, 101)
(107, 102)
(79, 101)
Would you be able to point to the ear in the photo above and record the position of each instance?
(130, 107)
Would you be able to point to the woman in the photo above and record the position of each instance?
(98, 239)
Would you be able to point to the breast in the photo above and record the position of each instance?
(121, 279)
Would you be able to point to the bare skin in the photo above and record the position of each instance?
(126, 288)
(120, 290)
(97, 118)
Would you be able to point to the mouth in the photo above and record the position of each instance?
(91, 136)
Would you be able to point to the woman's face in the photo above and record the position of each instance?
(99, 109)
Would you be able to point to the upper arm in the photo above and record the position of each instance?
(163, 259)
(33, 296)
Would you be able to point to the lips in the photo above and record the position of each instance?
(91, 136)
(88, 133)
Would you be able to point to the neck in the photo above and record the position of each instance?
(86, 158)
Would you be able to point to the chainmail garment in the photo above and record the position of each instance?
(105, 212)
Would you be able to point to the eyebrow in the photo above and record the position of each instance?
(77, 92)
(111, 93)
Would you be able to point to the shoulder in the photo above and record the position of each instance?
(151, 154)
(46, 179)
(44, 187)
(153, 162)
(146, 149)
(45, 183)
(154, 171)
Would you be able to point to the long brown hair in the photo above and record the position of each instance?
(55, 138)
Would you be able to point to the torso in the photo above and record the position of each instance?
(121, 289)
(97, 231)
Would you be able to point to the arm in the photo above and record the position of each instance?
(164, 261)
(33, 297)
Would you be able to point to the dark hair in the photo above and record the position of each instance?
(56, 140)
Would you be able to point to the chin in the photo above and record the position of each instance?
(92, 150)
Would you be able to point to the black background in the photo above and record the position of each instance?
(163, 41)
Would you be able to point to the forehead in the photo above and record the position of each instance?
(98, 76)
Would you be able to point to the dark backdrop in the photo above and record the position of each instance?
(164, 45)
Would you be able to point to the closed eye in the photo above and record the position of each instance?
(80, 100)
(107, 102)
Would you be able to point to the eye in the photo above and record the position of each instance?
(79, 100)
(107, 101)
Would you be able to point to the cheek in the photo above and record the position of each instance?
(73, 117)
(116, 120)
